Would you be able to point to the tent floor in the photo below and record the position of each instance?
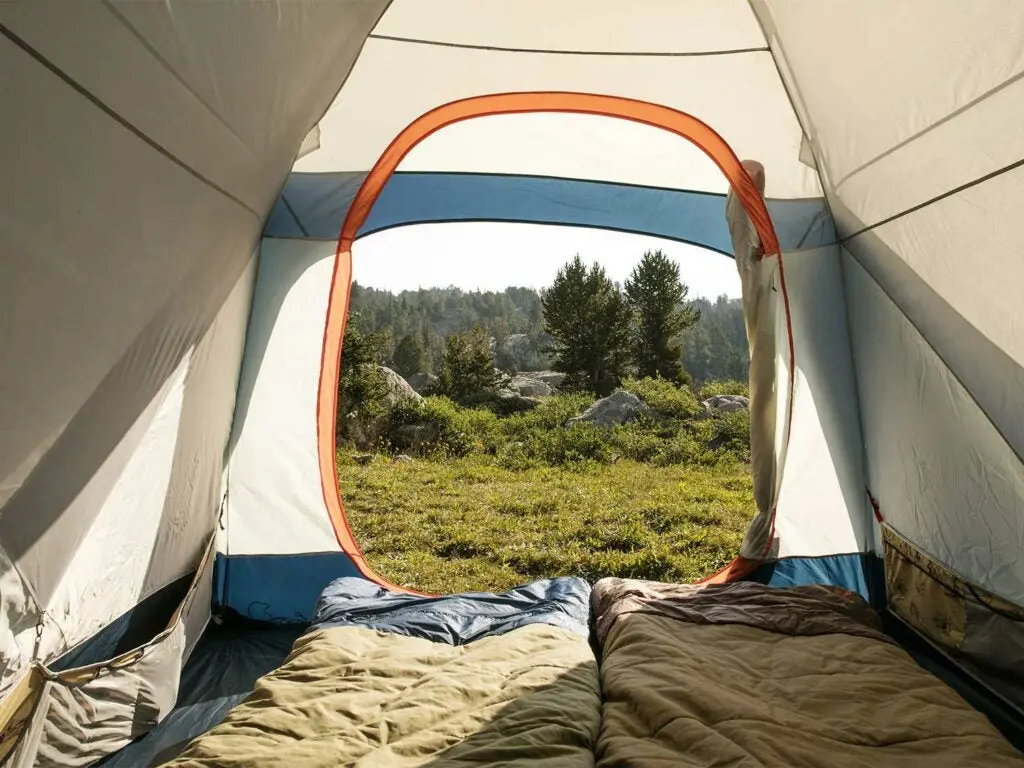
(222, 670)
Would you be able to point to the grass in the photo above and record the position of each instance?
(474, 523)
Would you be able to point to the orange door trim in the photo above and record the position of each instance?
(672, 120)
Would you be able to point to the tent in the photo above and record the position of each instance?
(183, 187)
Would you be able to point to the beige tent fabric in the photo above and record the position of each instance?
(145, 146)
(81, 715)
(757, 276)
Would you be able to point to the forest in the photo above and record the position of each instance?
(713, 349)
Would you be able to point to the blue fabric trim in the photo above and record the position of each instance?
(456, 619)
(276, 589)
(855, 572)
(321, 200)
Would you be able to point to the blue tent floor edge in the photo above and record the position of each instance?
(275, 589)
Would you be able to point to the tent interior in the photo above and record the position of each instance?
(183, 187)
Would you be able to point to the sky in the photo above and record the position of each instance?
(492, 257)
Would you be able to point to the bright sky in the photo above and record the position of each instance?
(492, 257)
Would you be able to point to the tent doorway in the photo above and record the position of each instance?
(667, 119)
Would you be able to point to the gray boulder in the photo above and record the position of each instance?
(529, 386)
(513, 402)
(727, 403)
(620, 407)
(398, 388)
(423, 383)
(553, 379)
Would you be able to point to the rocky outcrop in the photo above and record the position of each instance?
(529, 386)
(553, 379)
(423, 383)
(620, 407)
(726, 403)
(398, 388)
(513, 402)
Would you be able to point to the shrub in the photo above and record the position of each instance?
(552, 413)
(726, 436)
(732, 434)
(665, 398)
(467, 370)
(635, 442)
(515, 458)
(460, 431)
(712, 388)
(581, 443)
(685, 448)
(362, 388)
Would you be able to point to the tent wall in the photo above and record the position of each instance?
(925, 194)
(951, 492)
(280, 548)
(822, 507)
(924, 190)
(145, 145)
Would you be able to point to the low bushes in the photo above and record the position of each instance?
(712, 388)
(665, 398)
(680, 433)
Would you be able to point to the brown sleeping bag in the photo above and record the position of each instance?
(748, 676)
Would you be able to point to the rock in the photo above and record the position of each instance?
(553, 379)
(726, 403)
(423, 383)
(401, 459)
(529, 386)
(414, 437)
(620, 407)
(513, 402)
(398, 388)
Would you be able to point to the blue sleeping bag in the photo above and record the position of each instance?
(454, 619)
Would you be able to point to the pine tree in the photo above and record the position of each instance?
(467, 369)
(361, 385)
(588, 320)
(657, 299)
(410, 357)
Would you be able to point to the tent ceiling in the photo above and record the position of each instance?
(648, 26)
(393, 83)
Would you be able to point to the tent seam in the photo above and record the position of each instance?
(937, 124)
(557, 52)
(123, 122)
(294, 215)
(174, 73)
(938, 198)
